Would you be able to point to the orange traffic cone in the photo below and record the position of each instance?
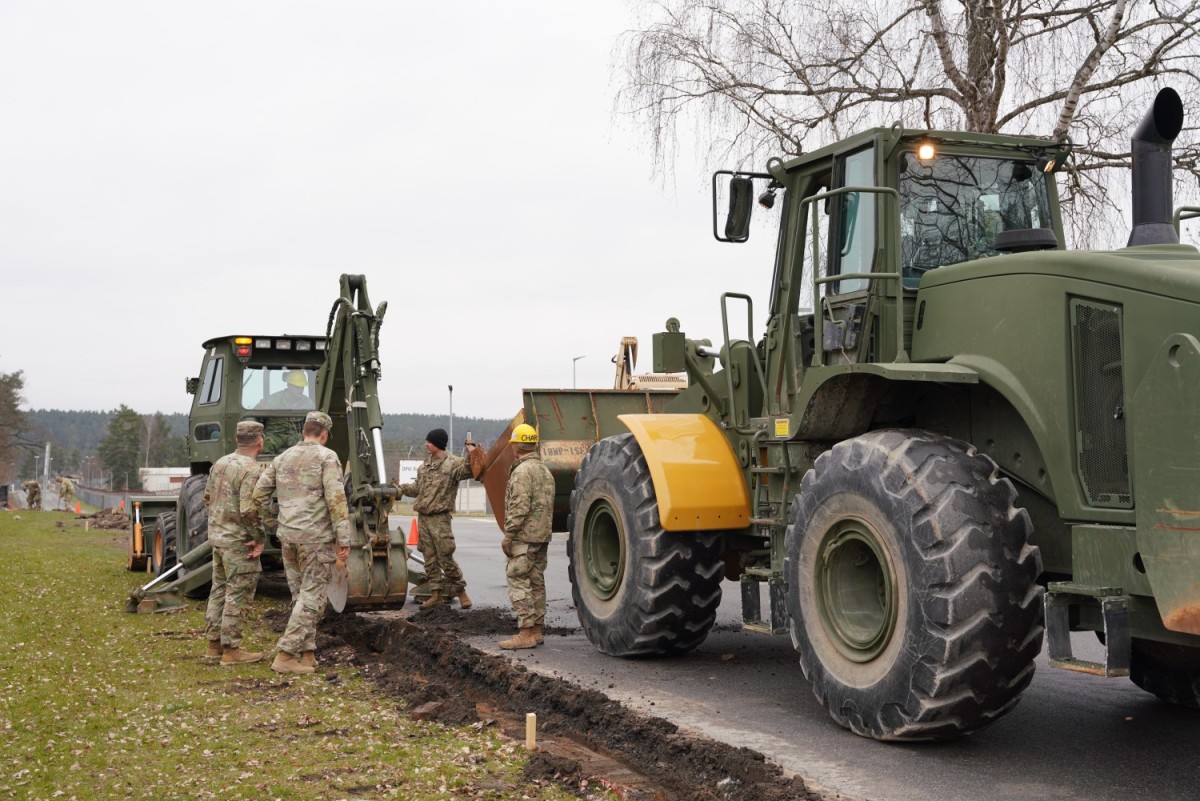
(412, 534)
(78, 508)
(122, 504)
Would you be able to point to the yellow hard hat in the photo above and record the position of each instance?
(524, 434)
(297, 378)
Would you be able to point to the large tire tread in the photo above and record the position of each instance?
(1170, 672)
(672, 585)
(978, 608)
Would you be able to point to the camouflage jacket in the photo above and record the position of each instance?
(32, 487)
(437, 484)
(529, 500)
(66, 486)
(228, 496)
(307, 482)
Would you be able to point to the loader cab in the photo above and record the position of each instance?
(863, 220)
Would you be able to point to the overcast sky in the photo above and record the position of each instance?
(171, 172)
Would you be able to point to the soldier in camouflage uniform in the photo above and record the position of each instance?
(33, 494)
(66, 492)
(314, 531)
(435, 490)
(238, 538)
(528, 511)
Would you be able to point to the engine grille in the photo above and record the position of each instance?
(1100, 403)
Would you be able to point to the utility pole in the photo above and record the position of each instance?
(451, 444)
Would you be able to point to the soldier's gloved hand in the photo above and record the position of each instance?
(506, 546)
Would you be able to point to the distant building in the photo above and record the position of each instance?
(163, 479)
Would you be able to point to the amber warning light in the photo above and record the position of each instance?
(242, 348)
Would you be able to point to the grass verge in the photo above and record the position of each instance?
(96, 703)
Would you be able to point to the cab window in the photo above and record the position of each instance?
(210, 388)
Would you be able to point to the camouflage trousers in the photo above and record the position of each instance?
(314, 565)
(68, 500)
(234, 579)
(526, 572)
(435, 540)
(33, 501)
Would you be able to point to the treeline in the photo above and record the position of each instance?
(81, 432)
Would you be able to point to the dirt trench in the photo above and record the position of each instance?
(583, 735)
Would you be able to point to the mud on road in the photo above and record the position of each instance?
(585, 739)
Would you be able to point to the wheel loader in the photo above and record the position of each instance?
(952, 439)
(277, 380)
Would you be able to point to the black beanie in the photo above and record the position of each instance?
(437, 438)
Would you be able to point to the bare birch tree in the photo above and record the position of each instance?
(769, 77)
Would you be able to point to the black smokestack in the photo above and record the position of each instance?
(1153, 203)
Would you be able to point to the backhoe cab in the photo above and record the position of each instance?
(277, 380)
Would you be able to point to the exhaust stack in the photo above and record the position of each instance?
(1153, 200)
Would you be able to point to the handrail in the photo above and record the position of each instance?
(762, 378)
(818, 280)
(1185, 213)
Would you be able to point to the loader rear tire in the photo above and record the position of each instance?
(912, 591)
(1169, 671)
(164, 554)
(638, 590)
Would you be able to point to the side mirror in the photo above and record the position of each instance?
(739, 186)
(741, 207)
(192, 384)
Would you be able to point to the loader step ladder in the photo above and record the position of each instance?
(1114, 608)
(771, 527)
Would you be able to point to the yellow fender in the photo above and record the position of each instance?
(697, 479)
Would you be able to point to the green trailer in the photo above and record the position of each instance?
(952, 438)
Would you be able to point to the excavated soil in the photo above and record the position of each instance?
(585, 738)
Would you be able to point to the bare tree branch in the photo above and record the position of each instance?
(754, 78)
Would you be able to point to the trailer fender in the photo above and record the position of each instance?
(697, 479)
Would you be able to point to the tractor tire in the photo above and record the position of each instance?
(912, 591)
(191, 495)
(638, 590)
(1169, 671)
(164, 554)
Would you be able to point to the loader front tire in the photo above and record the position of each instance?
(638, 590)
(165, 552)
(1169, 671)
(912, 591)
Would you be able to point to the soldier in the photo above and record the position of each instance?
(33, 494)
(66, 492)
(528, 511)
(238, 538)
(292, 395)
(435, 489)
(314, 530)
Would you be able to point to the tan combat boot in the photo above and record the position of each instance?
(214, 650)
(464, 600)
(433, 601)
(525, 639)
(309, 658)
(288, 663)
(239, 656)
(537, 633)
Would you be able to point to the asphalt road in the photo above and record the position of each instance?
(1072, 736)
